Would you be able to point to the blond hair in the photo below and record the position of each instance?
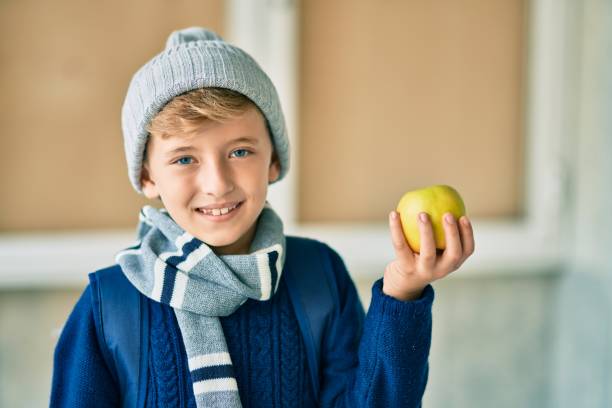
(186, 112)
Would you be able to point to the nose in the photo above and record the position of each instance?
(215, 178)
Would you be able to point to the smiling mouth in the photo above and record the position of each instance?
(219, 211)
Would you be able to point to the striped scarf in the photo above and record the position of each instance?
(171, 266)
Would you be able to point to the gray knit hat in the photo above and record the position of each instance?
(196, 58)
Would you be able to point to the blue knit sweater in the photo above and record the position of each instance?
(381, 361)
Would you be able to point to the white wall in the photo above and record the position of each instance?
(582, 371)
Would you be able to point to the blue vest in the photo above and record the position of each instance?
(124, 331)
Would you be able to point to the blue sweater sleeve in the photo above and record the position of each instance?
(380, 359)
(80, 376)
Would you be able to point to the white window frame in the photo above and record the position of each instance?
(268, 30)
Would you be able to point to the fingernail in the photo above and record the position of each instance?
(393, 215)
(449, 219)
(423, 217)
(465, 221)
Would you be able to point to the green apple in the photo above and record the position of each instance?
(434, 200)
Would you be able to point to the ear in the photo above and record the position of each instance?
(149, 188)
(274, 170)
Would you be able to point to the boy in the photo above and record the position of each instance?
(204, 133)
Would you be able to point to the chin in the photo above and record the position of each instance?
(214, 241)
(217, 240)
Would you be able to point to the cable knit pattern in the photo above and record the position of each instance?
(238, 346)
(268, 375)
(163, 363)
(291, 365)
(260, 358)
(268, 352)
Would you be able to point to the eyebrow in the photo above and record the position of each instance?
(244, 139)
(189, 148)
(179, 150)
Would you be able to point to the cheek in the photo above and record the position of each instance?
(176, 185)
(259, 175)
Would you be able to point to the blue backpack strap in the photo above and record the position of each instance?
(122, 323)
(313, 293)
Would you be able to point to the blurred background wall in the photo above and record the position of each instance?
(506, 100)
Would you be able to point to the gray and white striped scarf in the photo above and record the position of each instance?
(171, 266)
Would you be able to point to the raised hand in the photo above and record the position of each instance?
(407, 275)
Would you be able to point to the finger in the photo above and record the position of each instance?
(402, 250)
(467, 238)
(453, 253)
(427, 257)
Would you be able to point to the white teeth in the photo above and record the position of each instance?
(219, 211)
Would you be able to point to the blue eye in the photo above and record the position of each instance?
(184, 160)
(241, 150)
